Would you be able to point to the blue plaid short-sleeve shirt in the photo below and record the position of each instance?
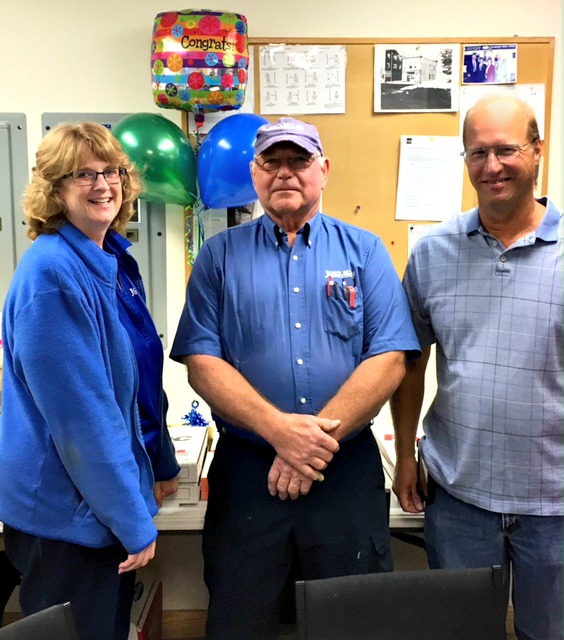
(494, 433)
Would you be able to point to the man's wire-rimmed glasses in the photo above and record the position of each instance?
(299, 162)
(502, 152)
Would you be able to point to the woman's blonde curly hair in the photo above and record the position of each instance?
(64, 150)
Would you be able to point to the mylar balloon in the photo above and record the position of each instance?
(199, 60)
(224, 175)
(162, 151)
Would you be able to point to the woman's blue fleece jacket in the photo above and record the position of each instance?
(72, 463)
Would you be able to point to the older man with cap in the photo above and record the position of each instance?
(295, 331)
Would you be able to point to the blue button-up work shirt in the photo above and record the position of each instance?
(294, 321)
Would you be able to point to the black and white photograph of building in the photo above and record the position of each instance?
(421, 77)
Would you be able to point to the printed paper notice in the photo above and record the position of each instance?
(297, 79)
(213, 221)
(414, 233)
(430, 177)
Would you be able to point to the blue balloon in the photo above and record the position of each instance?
(223, 162)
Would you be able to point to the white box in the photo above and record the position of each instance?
(191, 444)
(188, 493)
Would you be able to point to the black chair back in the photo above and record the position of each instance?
(442, 604)
(54, 623)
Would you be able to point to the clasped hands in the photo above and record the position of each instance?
(304, 447)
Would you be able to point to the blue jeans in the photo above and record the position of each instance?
(459, 535)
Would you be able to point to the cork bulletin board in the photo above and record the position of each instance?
(364, 146)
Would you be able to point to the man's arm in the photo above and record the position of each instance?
(299, 439)
(405, 406)
(365, 392)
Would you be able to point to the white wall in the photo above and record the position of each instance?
(61, 55)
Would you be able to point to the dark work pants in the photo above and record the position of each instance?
(56, 572)
(251, 539)
(9, 580)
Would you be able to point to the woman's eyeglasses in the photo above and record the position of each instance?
(87, 177)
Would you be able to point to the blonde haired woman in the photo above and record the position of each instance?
(76, 495)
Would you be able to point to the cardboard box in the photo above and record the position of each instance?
(147, 610)
(191, 444)
(188, 493)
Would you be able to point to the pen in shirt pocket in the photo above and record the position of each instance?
(349, 294)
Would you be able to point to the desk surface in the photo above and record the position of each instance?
(190, 518)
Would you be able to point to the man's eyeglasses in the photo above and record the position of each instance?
(296, 163)
(87, 177)
(502, 152)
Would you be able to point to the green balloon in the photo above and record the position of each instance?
(163, 154)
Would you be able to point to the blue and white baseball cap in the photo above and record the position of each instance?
(303, 134)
